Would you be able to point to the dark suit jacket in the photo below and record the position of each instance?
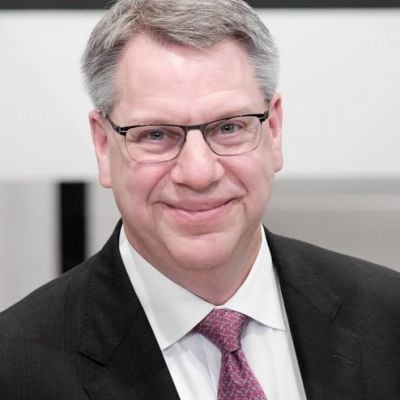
(85, 335)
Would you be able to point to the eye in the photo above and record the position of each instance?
(229, 128)
(154, 135)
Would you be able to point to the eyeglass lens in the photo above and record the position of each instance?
(157, 143)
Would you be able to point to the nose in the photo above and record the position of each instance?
(196, 165)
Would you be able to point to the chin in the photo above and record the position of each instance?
(203, 252)
(201, 262)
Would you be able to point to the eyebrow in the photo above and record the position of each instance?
(146, 120)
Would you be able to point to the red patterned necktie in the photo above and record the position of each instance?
(236, 381)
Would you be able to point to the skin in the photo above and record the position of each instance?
(195, 218)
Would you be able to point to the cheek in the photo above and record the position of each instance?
(257, 174)
(134, 186)
(256, 169)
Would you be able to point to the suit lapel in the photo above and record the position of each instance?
(136, 370)
(116, 337)
(327, 352)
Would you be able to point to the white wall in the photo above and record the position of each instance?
(44, 131)
(340, 85)
(341, 91)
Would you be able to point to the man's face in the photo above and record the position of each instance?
(200, 210)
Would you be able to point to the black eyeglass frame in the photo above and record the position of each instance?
(123, 130)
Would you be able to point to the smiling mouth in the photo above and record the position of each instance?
(200, 212)
(200, 207)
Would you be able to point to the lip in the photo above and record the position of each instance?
(194, 212)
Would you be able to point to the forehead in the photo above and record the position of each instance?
(164, 78)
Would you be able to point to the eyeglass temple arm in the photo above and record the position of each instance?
(116, 128)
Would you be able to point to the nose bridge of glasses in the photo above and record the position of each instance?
(198, 127)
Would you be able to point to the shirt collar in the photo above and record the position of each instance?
(174, 311)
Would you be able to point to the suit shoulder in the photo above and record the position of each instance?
(343, 272)
(62, 294)
(46, 306)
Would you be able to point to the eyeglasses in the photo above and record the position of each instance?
(156, 143)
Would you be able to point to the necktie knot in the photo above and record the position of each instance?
(236, 381)
(224, 328)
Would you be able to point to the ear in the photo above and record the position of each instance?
(275, 126)
(101, 146)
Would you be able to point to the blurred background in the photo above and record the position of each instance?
(340, 186)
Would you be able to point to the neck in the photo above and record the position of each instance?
(216, 284)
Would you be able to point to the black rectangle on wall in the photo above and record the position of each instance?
(72, 224)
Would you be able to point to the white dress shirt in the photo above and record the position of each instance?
(193, 361)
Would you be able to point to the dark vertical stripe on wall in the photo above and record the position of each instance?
(72, 222)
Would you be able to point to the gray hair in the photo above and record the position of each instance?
(198, 24)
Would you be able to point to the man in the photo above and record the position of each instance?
(187, 133)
